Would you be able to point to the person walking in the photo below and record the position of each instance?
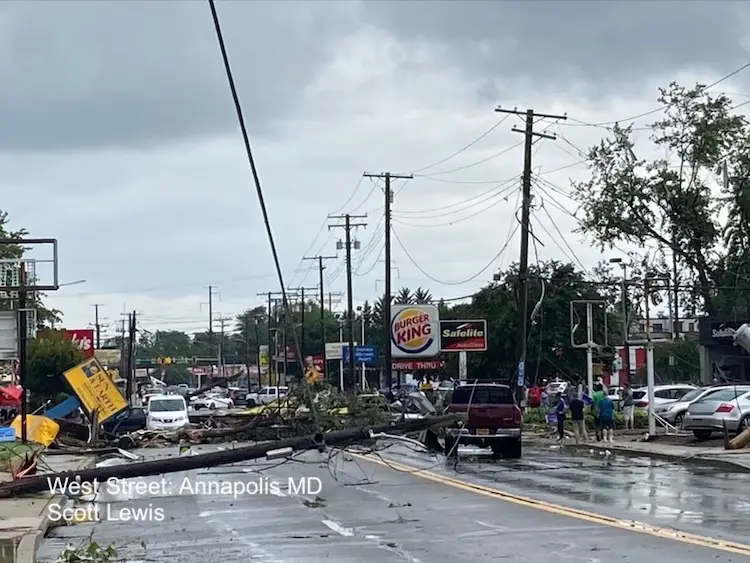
(560, 411)
(628, 407)
(577, 417)
(607, 419)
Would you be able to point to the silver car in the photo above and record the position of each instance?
(675, 412)
(729, 406)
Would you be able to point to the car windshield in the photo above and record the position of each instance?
(166, 405)
(482, 395)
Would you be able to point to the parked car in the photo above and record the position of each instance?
(211, 401)
(239, 396)
(266, 395)
(729, 406)
(663, 394)
(166, 412)
(495, 420)
(674, 413)
(130, 420)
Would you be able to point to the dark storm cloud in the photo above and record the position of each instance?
(611, 45)
(89, 74)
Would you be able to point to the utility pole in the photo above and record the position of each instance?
(321, 267)
(273, 333)
(97, 326)
(387, 298)
(523, 269)
(302, 315)
(211, 293)
(348, 226)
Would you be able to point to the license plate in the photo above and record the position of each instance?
(483, 432)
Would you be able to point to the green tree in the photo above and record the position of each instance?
(49, 355)
(668, 201)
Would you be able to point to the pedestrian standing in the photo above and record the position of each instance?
(628, 407)
(607, 419)
(560, 411)
(577, 417)
(596, 400)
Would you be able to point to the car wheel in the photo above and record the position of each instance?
(744, 424)
(252, 403)
(679, 418)
(702, 434)
(508, 449)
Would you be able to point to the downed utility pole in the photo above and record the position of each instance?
(276, 449)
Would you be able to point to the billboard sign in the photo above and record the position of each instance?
(335, 350)
(463, 336)
(362, 354)
(83, 338)
(96, 390)
(415, 331)
(8, 335)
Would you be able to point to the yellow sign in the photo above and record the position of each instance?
(313, 376)
(95, 389)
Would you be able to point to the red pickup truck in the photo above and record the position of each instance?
(495, 420)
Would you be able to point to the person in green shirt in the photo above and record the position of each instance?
(596, 400)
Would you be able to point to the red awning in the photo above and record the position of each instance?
(11, 392)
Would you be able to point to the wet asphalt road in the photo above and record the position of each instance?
(369, 512)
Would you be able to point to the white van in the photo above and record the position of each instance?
(166, 412)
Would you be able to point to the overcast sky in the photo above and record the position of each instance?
(118, 135)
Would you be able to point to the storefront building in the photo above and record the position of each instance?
(721, 360)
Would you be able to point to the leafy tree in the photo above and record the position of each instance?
(656, 202)
(49, 355)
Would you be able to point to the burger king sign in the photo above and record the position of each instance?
(415, 331)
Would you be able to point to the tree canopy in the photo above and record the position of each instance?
(691, 202)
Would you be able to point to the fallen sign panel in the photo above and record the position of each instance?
(96, 390)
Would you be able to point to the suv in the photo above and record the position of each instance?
(265, 395)
(495, 419)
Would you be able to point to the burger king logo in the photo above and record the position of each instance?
(413, 329)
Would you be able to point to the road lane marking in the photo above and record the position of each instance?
(338, 528)
(630, 525)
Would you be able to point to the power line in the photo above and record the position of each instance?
(605, 124)
(500, 188)
(464, 148)
(462, 282)
(478, 162)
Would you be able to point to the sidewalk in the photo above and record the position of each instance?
(24, 521)
(732, 460)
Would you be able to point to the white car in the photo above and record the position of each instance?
(166, 412)
(663, 394)
(212, 401)
(266, 395)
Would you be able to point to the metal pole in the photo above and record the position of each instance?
(387, 295)
(341, 361)
(362, 343)
(625, 326)
(649, 362)
(271, 342)
(590, 346)
(322, 317)
(257, 354)
(22, 353)
(302, 320)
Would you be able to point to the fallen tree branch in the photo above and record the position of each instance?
(340, 438)
(221, 382)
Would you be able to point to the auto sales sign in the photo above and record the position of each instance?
(415, 331)
(463, 336)
(83, 338)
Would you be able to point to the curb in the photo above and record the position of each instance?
(31, 540)
(699, 458)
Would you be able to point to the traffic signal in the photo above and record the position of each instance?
(167, 361)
